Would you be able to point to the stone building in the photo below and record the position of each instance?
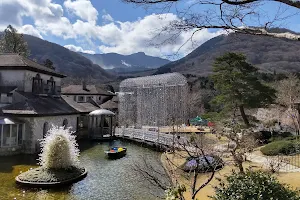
(159, 100)
(31, 102)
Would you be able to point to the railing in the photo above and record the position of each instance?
(150, 136)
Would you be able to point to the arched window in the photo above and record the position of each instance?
(65, 123)
(51, 85)
(45, 129)
(37, 84)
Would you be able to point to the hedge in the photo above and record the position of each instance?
(285, 147)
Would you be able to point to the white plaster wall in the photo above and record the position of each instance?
(4, 98)
(28, 80)
(12, 78)
(34, 128)
(95, 97)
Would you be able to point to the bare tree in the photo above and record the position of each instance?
(241, 16)
(274, 164)
(288, 95)
(201, 158)
(240, 143)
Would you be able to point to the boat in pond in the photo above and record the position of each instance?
(116, 152)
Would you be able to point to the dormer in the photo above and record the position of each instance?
(28, 75)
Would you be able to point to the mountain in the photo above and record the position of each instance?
(120, 64)
(267, 53)
(65, 61)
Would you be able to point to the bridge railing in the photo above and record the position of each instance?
(149, 136)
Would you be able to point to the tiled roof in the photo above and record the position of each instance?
(109, 105)
(80, 107)
(16, 61)
(40, 106)
(90, 90)
(37, 105)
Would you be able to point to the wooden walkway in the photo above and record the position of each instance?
(149, 136)
(187, 129)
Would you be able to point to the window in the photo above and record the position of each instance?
(51, 85)
(74, 98)
(0, 135)
(99, 98)
(90, 97)
(80, 98)
(14, 133)
(11, 135)
(65, 123)
(37, 84)
(6, 135)
(20, 134)
(45, 129)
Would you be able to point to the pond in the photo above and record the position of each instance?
(106, 179)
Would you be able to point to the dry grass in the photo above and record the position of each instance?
(187, 129)
(288, 178)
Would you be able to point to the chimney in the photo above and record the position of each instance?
(84, 85)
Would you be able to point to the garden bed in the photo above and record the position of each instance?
(42, 177)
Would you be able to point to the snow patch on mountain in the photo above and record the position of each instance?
(125, 63)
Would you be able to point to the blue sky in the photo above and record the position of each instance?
(103, 26)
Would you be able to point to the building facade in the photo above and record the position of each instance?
(31, 102)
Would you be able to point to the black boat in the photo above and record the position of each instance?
(116, 152)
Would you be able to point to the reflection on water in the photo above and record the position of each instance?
(106, 179)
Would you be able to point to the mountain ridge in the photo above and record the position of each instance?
(118, 63)
(269, 54)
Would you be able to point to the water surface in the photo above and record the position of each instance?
(106, 179)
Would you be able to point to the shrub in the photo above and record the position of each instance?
(279, 147)
(255, 186)
(280, 136)
(262, 137)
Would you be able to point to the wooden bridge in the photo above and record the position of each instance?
(147, 136)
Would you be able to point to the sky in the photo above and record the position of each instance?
(105, 26)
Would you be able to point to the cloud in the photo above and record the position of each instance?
(78, 49)
(107, 17)
(124, 37)
(145, 35)
(83, 9)
(30, 30)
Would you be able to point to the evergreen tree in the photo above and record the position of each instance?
(238, 85)
(48, 63)
(13, 42)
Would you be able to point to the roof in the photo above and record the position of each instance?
(115, 99)
(7, 89)
(36, 105)
(16, 61)
(10, 121)
(90, 90)
(81, 107)
(156, 80)
(109, 105)
(47, 106)
(101, 112)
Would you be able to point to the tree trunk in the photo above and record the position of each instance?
(244, 116)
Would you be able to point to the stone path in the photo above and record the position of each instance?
(265, 161)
